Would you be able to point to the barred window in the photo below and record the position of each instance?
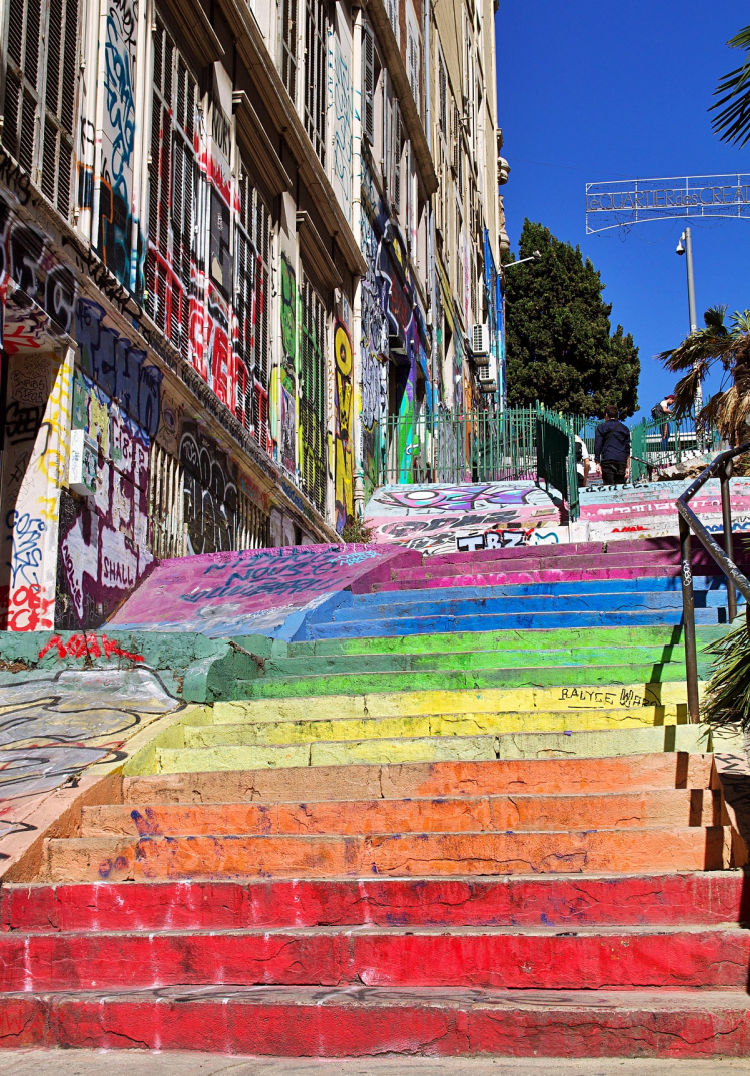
(40, 93)
(288, 35)
(172, 185)
(312, 402)
(316, 75)
(252, 293)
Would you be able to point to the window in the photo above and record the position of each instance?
(171, 192)
(312, 401)
(316, 75)
(413, 69)
(40, 93)
(394, 164)
(442, 98)
(288, 17)
(252, 263)
(368, 84)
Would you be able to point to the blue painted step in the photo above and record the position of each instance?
(417, 625)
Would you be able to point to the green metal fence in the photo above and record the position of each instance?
(480, 446)
(657, 443)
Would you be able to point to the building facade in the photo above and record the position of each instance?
(241, 244)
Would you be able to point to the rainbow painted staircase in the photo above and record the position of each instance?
(462, 813)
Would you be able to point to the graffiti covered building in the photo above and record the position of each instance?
(218, 277)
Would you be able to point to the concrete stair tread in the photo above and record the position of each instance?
(640, 771)
(710, 897)
(597, 742)
(497, 813)
(396, 855)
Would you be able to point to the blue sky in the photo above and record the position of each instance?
(600, 91)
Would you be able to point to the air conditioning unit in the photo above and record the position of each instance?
(84, 458)
(488, 376)
(480, 340)
(488, 386)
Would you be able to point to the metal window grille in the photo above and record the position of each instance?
(252, 291)
(312, 401)
(249, 525)
(289, 46)
(40, 93)
(316, 75)
(172, 189)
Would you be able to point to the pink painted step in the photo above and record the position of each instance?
(330, 1022)
(588, 959)
(537, 575)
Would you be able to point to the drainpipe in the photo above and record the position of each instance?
(431, 278)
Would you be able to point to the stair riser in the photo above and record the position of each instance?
(588, 587)
(640, 563)
(517, 622)
(710, 960)
(485, 604)
(539, 776)
(463, 815)
(457, 642)
(555, 902)
(491, 659)
(321, 733)
(464, 680)
(455, 1028)
(442, 855)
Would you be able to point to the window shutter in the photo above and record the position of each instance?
(443, 95)
(368, 84)
(396, 149)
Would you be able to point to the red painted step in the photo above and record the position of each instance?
(539, 960)
(326, 1022)
(561, 903)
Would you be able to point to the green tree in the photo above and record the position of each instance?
(719, 344)
(560, 350)
(732, 119)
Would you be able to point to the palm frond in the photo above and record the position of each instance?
(732, 109)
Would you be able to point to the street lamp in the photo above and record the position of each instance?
(532, 258)
(685, 246)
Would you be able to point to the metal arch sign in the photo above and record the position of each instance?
(622, 203)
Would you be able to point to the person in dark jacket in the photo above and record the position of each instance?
(612, 448)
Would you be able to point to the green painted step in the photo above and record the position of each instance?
(501, 639)
(461, 679)
(314, 665)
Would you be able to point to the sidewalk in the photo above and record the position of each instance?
(135, 1062)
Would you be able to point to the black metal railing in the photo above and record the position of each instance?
(722, 468)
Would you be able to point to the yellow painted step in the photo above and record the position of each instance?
(250, 732)
(668, 698)
(593, 744)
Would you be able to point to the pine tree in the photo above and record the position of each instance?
(560, 350)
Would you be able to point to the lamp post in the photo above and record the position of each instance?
(532, 258)
(685, 246)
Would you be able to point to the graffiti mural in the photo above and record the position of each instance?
(210, 492)
(105, 546)
(54, 727)
(374, 352)
(116, 224)
(342, 347)
(35, 455)
(26, 261)
(441, 518)
(340, 93)
(227, 593)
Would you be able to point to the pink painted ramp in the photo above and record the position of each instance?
(239, 593)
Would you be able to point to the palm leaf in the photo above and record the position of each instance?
(732, 109)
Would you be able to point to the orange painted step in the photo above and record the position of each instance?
(664, 807)
(619, 851)
(395, 781)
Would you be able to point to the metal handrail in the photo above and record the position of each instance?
(722, 466)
